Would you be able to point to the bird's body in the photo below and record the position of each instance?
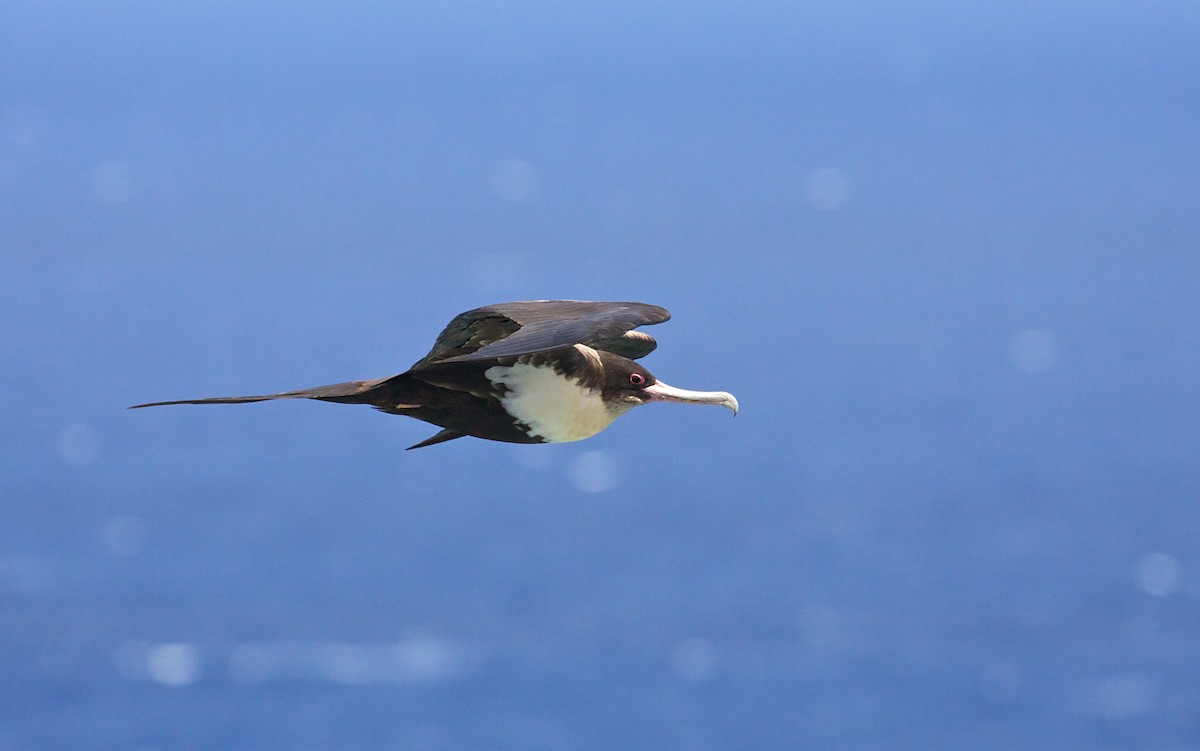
(547, 371)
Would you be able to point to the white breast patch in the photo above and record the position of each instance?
(553, 407)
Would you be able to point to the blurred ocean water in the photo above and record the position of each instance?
(945, 256)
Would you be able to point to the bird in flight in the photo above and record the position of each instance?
(547, 371)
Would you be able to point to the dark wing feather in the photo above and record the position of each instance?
(441, 437)
(466, 333)
(521, 328)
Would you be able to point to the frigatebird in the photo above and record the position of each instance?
(546, 371)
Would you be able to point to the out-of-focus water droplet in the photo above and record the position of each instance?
(1158, 574)
(78, 444)
(425, 658)
(694, 659)
(515, 180)
(593, 472)
(826, 189)
(415, 658)
(173, 664)
(1031, 350)
(168, 664)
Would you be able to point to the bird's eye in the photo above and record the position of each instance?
(637, 379)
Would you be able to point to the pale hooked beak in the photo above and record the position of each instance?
(661, 392)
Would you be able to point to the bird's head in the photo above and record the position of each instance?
(628, 384)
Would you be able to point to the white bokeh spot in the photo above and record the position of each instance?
(171, 664)
(593, 472)
(416, 658)
(1158, 574)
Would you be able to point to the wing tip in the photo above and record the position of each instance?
(444, 435)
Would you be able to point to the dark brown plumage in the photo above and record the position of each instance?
(524, 372)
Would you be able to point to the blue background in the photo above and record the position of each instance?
(945, 254)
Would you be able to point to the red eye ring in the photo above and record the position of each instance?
(637, 379)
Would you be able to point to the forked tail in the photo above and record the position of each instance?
(351, 392)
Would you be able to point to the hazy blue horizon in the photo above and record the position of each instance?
(945, 256)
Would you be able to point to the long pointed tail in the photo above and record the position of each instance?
(351, 392)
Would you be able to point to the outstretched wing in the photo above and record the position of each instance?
(521, 328)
